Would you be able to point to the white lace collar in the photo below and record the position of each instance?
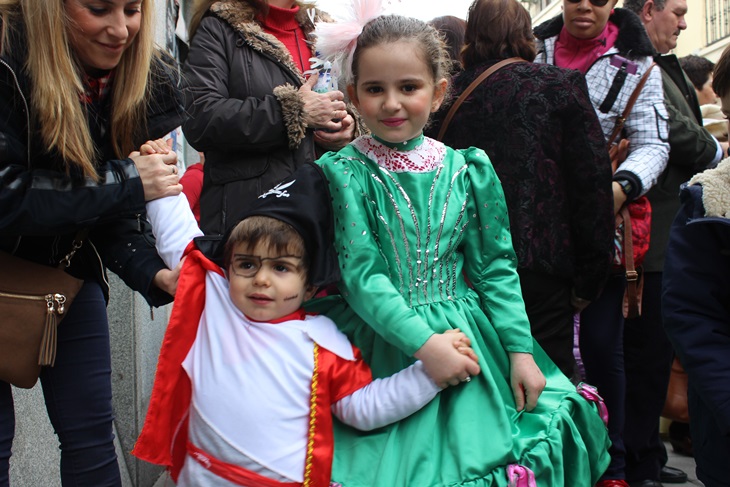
(425, 157)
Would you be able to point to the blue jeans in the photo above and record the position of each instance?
(78, 396)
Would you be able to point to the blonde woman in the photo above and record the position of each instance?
(81, 90)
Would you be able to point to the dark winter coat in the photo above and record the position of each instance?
(538, 126)
(691, 149)
(245, 112)
(696, 299)
(42, 208)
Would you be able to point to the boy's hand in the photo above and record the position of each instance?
(159, 146)
(462, 344)
(526, 379)
(443, 362)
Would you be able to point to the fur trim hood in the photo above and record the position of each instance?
(715, 189)
(632, 42)
(242, 17)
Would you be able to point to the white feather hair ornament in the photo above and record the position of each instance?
(336, 41)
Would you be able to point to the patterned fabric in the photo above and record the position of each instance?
(647, 126)
(97, 89)
(424, 158)
(538, 126)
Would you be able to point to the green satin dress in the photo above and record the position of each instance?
(406, 239)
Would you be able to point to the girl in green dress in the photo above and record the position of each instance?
(414, 218)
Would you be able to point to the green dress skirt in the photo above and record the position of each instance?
(406, 241)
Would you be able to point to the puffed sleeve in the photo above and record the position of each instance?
(365, 282)
(490, 261)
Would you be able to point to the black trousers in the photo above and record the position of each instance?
(648, 358)
(547, 301)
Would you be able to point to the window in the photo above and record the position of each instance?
(717, 20)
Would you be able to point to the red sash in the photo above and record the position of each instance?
(234, 473)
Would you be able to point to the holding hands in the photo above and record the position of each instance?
(448, 358)
(157, 167)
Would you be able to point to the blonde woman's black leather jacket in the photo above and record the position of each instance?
(42, 207)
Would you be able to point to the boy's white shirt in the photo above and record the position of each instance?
(269, 370)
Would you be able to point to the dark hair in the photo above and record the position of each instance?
(278, 236)
(394, 28)
(497, 29)
(721, 74)
(636, 5)
(698, 69)
(452, 30)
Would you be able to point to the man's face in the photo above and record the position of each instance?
(664, 26)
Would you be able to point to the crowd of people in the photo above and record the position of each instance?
(380, 271)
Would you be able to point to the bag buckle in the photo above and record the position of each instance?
(632, 276)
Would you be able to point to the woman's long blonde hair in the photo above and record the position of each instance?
(57, 81)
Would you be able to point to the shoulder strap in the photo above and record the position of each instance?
(486, 74)
(632, 100)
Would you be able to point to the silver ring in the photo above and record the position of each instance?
(468, 379)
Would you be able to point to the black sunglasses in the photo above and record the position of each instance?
(596, 3)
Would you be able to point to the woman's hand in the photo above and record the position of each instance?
(444, 363)
(335, 141)
(526, 380)
(322, 110)
(158, 173)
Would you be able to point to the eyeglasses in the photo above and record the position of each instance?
(249, 265)
(595, 3)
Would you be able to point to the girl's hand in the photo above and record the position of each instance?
(443, 362)
(322, 109)
(159, 146)
(526, 379)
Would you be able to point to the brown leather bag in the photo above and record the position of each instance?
(34, 298)
(618, 151)
(675, 406)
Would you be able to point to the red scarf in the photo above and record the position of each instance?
(96, 89)
(580, 54)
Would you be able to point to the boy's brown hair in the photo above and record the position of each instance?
(278, 236)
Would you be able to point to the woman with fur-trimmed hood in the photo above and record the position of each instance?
(251, 109)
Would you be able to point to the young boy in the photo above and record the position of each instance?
(247, 383)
